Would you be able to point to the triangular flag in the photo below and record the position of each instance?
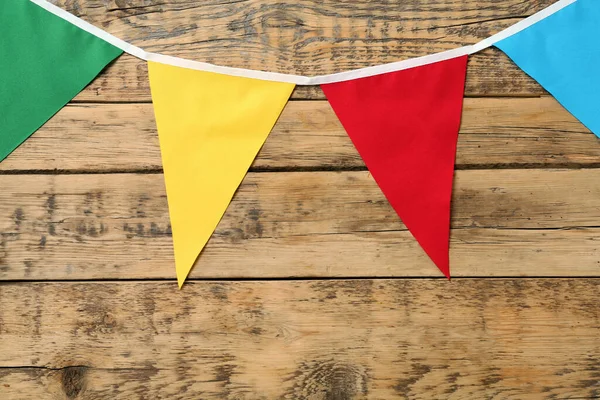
(210, 128)
(562, 53)
(405, 126)
(44, 62)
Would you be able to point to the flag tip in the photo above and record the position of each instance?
(445, 270)
(181, 279)
(183, 273)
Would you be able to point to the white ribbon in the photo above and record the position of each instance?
(298, 79)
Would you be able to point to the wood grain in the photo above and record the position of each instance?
(419, 339)
(311, 224)
(496, 132)
(305, 37)
(84, 199)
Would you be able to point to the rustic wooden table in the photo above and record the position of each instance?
(311, 287)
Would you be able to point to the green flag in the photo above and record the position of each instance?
(44, 62)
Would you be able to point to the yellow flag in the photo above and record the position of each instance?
(210, 128)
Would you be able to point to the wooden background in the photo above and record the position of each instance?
(311, 287)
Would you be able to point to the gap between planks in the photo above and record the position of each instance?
(298, 279)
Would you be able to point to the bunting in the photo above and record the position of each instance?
(402, 117)
(405, 127)
(210, 128)
(562, 53)
(44, 62)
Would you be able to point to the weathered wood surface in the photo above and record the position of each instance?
(381, 339)
(316, 224)
(496, 132)
(305, 37)
(84, 199)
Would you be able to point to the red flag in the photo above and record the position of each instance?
(405, 126)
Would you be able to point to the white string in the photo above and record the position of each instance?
(298, 79)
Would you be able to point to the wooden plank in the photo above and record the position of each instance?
(311, 224)
(507, 132)
(305, 37)
(417, 339)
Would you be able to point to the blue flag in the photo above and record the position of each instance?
(562, 53)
